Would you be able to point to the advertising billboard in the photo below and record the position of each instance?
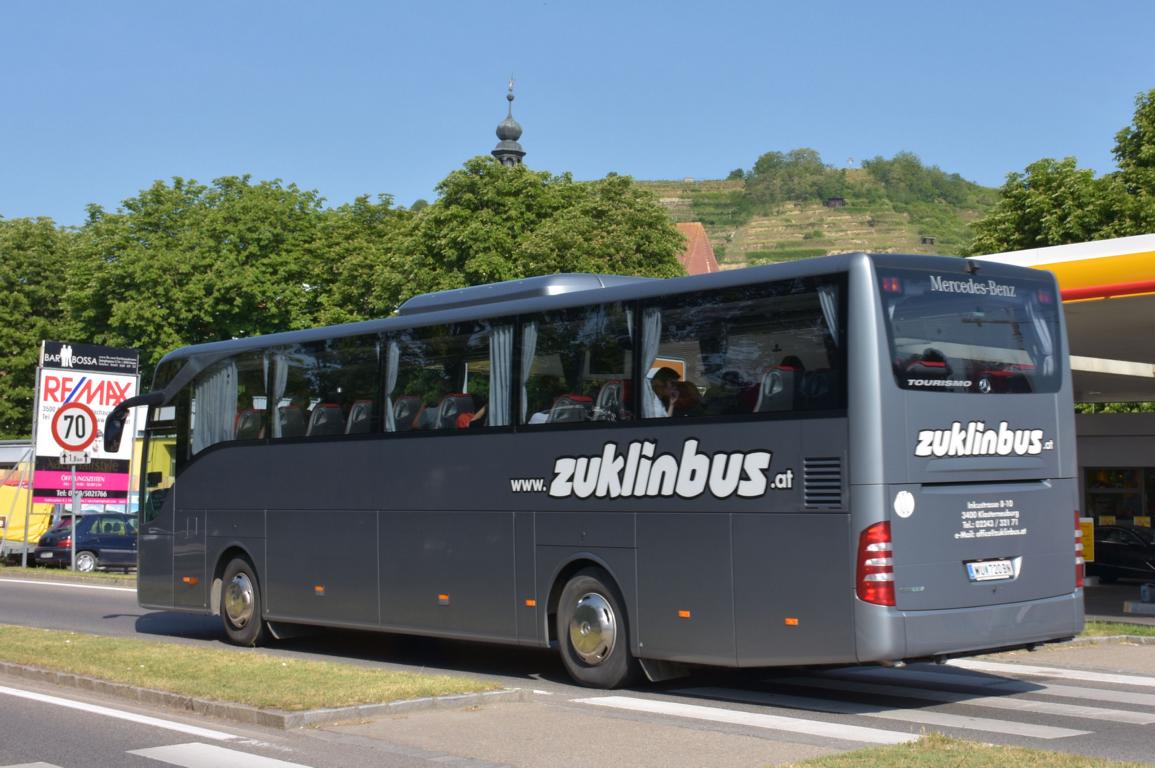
(77, 386)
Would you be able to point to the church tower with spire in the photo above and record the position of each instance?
(508, 151)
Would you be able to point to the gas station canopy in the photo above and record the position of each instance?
(1108, 290)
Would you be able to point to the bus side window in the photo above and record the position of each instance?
(229, 402)
(449, 377)
(759, 349)
(318, 386)
(576, 365)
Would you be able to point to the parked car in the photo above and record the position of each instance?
(102, 541)
(1122, 552)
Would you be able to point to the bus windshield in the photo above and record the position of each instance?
(966, 333)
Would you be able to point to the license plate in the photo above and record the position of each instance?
(990, 570)
(45, 555)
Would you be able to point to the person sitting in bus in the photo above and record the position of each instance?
(685, 399)
(660, 392)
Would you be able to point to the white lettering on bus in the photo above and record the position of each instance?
(640, 471)
(977, 439)
(978, 287)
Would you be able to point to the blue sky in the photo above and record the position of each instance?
(348, 98)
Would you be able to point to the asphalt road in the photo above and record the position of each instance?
(767, 715)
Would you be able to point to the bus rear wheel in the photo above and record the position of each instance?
(592, 631)
(241, 604)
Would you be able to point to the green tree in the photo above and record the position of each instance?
(614, 227)
(1052, 203)
(493, 223)
(185, 263)
(34, 264)
(358, 246)
(1135, 154)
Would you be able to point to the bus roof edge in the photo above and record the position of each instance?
(527, 288)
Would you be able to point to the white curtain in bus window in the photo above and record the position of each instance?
(528, 350)
(500, 374)
(393, 356)
(214, 406)
(652, 404)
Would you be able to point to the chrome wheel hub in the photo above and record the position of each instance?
(593, 629)
(239, 598)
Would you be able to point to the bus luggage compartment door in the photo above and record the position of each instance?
(962, 546)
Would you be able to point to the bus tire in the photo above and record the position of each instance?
(593, 633)
(241, 604)
(86, 562)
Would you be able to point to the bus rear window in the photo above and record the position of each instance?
(972, 333)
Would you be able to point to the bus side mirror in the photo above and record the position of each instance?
(114, 424)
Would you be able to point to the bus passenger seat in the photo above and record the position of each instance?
(248, 424)
(449, 409)
(326, 419)
(569, 408)
(777, 390)
(292, 421)
(612, 402)
(405, 410)
(360, 417)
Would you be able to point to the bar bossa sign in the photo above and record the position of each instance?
(77, 386)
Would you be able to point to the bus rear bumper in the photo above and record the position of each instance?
(885, 634)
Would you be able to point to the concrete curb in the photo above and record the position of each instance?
(1108, 640)
(268, 718)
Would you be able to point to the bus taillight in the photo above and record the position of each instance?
(875, 573)
(1079, 563)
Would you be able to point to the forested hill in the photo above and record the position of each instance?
(792, 205)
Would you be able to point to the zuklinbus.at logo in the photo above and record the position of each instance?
(640, 471)
(977, 439)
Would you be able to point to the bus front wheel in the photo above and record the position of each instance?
(241, 604)
(592, 631)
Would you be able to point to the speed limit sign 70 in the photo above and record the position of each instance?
(74, 427)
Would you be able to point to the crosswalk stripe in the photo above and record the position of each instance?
(1027, 670)
(753, 719)
(990, 702)
(30, 765)
(985, 682)
(156, 722)
(902, 714)
(195, 755)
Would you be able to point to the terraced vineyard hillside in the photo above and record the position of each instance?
(786, 231)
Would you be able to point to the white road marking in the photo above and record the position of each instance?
(902, 714)
(1082, 675)
(31, 765)
(995, 684)
(990, 702)
(753, 719)
(196, 755)
(95, 709)
(66, 585)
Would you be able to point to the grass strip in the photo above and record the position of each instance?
(243, 676)
(66, 574)
(938, 751)
(1114, 628)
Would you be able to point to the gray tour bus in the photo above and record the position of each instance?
(858, 458)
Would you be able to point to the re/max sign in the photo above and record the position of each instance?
(84, 389)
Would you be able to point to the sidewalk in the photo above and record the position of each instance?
(1104, 602)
